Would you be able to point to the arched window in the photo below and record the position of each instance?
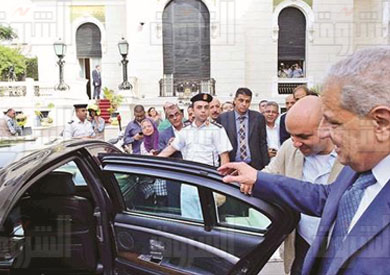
(88, 38)
(186, 40)
(292, 43)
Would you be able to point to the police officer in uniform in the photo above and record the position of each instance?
(80, 127)
(197, 142)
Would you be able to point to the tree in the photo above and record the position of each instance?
(11, 58)
(7, 33)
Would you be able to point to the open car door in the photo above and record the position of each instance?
(178, 217)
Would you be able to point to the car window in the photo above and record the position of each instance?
(232, 212)
(71, 167)
(157, 196)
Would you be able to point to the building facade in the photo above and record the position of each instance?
(180, 47)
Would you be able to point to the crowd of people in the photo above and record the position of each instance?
(293, 71)
(326, 157)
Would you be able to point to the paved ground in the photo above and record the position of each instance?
(273, 268)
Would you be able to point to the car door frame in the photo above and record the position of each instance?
(283, 219)
(93, 175)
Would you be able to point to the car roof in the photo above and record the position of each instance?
(14, 176)
(34, 158)
(12, 149)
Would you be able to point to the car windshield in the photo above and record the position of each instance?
(14, 149)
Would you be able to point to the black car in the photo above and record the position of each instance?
(83, 207)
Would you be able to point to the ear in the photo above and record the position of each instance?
(381, 118)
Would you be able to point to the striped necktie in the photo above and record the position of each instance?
(348, 206)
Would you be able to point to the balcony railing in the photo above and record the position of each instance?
(185, 89)
(287, 85)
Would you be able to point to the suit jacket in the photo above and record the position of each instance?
(283, 134)
(289, 162)
(365, 250)
(257, 137)
(163, 140)
(96, 78)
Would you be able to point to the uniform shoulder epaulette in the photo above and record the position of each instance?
(216, 124)
(186, 123)
(70, 122)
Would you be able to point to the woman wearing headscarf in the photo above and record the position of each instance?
(152, 188)
(149, 145)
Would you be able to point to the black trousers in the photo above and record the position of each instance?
(301, 248)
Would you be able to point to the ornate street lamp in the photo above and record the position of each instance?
(123, 47)
(60, 50)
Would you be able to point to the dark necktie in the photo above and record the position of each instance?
(348, 206)
(242, 141)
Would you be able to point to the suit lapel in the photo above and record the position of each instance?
(345, 179)
(251, 124)
(232, 129)
(371, 223)
(172, 133)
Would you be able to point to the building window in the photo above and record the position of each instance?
(186, 44)
(292, 43)
(88, 39)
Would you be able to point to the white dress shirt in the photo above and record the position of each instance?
(273, 140)
(382, 175)
(316, 169)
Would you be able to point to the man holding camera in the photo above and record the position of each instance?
(133, 133)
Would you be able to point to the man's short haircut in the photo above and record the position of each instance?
(301, 87)
(227, 102)
(9, 110)
(364, 79)
(262, 101)
(272, 103)
(139, 108)
(171, 107)
(190, 106)
(243, 91)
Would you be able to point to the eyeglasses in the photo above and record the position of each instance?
(271, 112)
(171, 116)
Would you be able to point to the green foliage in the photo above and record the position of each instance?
(7, 33)
(115, 100)
(11, 57)
(32, 68)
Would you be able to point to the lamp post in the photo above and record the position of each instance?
(60, 50)
(123, 47)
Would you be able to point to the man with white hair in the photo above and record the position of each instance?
(354, 233)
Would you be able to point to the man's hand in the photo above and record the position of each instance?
(272, 152)
(138, 137)
(241, 173)
(171, 140)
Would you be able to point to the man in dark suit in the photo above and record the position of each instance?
(246, 131)
(354, 232)
(97, 82)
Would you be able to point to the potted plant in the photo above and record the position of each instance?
(115, 102)
(42, 114)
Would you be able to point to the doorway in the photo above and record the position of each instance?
(89, 51)
(87, 69)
